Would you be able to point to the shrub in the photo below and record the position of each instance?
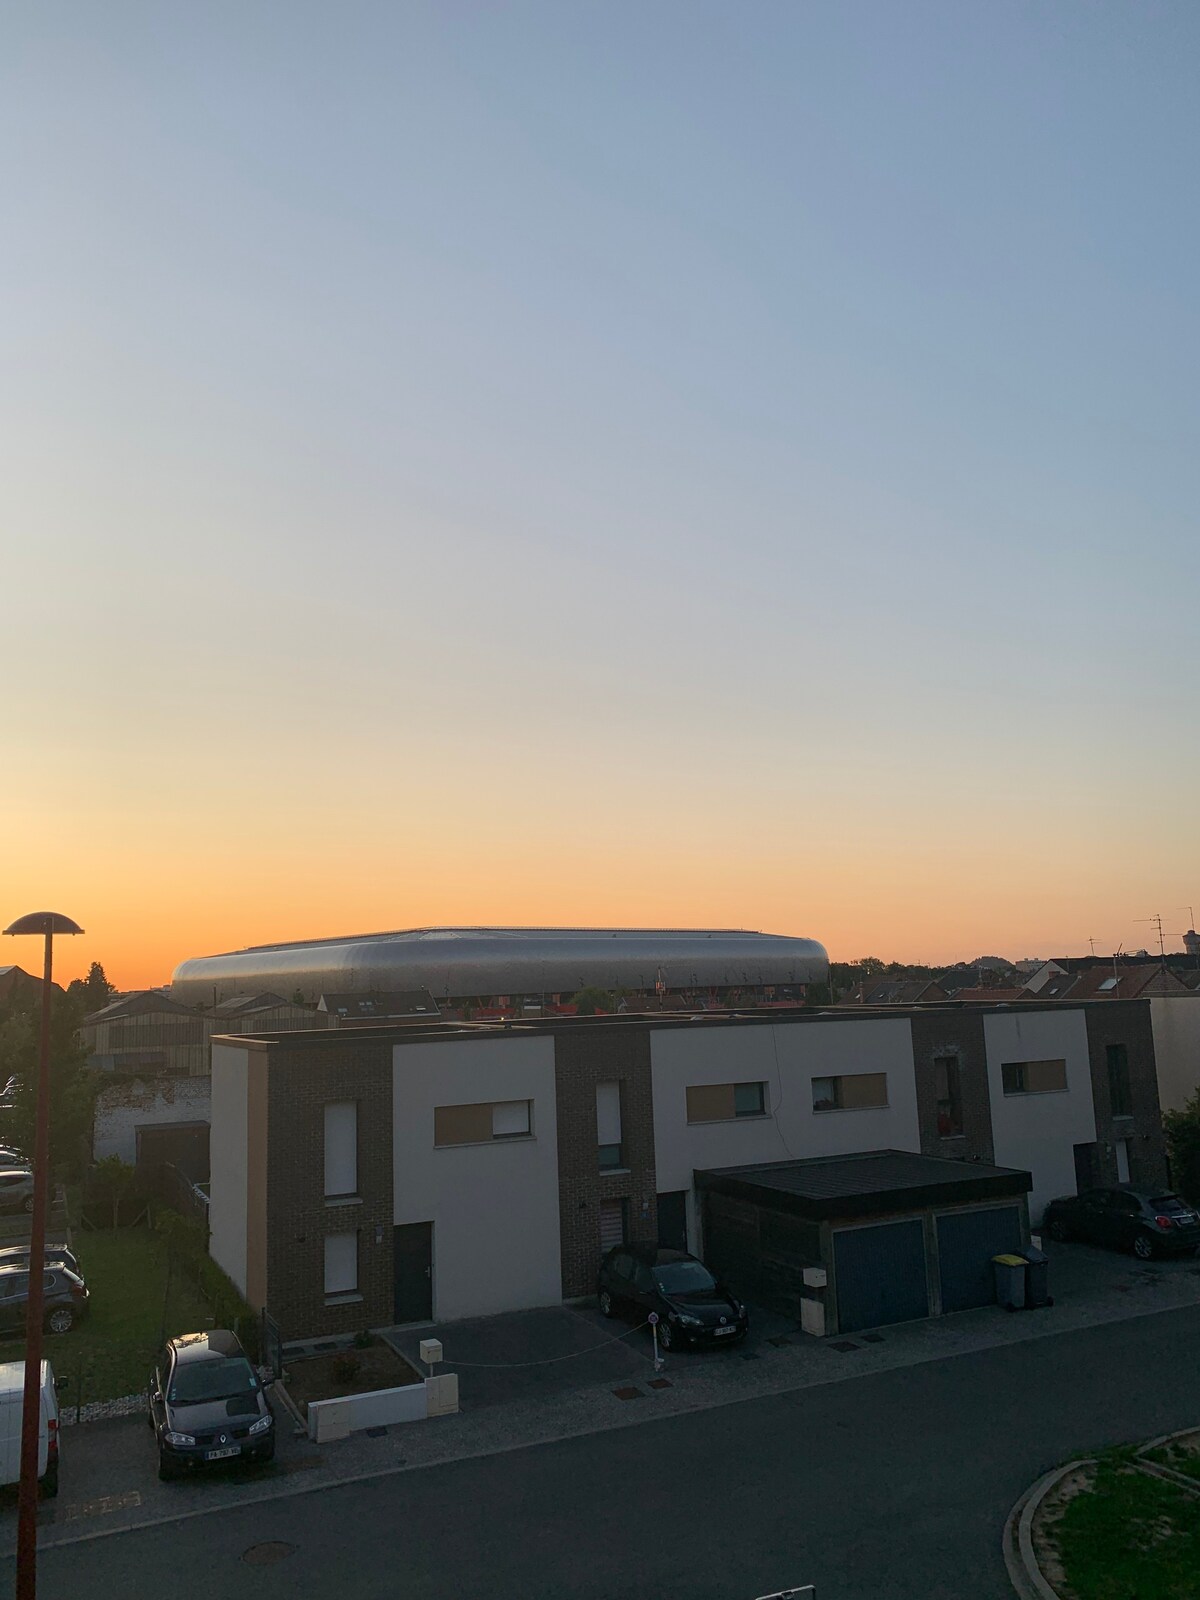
(346, 1368)
(187, 1245)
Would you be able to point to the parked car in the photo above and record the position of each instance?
(692, 1307)
(16, 1189)
(10, 1156)
(66, 1298)
(12, 1396)
(1150, 1222)
(206, 1404)
(57, 1255)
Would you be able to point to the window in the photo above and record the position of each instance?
(608, 1125)
(612, 1216)
(1107, 986)
(482, 1124)
(510, 1119)
(341, 1148)
(949, 1097)
(852, 1091)
(1034, 1077)
(341, 1263)
(722, 1102)
(1119, 1096)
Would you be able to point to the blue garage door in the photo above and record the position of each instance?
(880, 1275)
(967, 1241)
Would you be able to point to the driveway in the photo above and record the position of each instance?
(524, 1354)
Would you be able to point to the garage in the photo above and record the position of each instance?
(966, 1243)
(852, 1242)
(880, 1273)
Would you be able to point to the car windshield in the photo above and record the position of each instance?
(684, 1277)
(1168, 1202)
(199, 1382)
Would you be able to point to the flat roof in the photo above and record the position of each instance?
(412, 1030)
(865, 1184)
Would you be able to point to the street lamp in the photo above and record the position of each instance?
(47, 923)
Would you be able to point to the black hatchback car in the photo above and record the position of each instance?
(207, 1404)
(692, 1307)
(1150, 1222)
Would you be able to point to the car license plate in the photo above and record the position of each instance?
(223, 1455)
(720, 1331)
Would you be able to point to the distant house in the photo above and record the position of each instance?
(895, 992)
(1103, 980)
(989, 997)
(1040, 974)
(16, 983)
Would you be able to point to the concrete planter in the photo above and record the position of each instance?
(413, 1402)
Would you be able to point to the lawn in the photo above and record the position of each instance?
(1181, 1455)
(1129, 1537)
(132, 1307)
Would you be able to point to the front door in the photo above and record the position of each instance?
(412, 1256)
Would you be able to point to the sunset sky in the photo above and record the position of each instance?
(615, 463)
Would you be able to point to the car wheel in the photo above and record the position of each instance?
(666, 1337)
(1143, 1247)
(28, 1205)
(48, 1482)
(1059, 1230)
(61, 1320)
(605, 1301)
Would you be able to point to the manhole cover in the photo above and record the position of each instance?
(262, 1555)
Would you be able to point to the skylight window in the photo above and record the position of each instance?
(1109, 983)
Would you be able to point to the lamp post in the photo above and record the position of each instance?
(47, 923)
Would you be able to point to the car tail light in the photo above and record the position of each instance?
(78, 1292)
(1165, 1222)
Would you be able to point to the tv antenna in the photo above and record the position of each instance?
(1157, 922)
(1191, 917)
(1092, 943)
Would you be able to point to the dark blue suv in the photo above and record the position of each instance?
(207, 1404)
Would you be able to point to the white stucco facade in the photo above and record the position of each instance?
(493, 1205)
(1039, 1131)
(123, 1108)
(228, 1161)
(1175, 1019)
(786, 1058)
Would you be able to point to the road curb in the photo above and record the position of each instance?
(1025, 1575)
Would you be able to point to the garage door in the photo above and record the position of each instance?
(880, 1275)
(967, 1241)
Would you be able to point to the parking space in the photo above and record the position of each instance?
(109, 1478)
(527, 1354)
(1080, 1271)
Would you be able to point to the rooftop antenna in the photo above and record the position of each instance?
(1092, 942)
(1162, 949)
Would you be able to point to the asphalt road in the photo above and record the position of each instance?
(890, 1487)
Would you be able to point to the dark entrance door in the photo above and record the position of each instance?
(672, 1219)
(412, 1257)
(1087, 1167)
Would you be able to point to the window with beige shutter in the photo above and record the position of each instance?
(1034, 1077)
(723, 1102)
(484, 1123)
(850, 1091)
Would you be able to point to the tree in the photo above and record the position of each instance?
(92, 993)
(870, 966)
(818, 994)
(590, 1001)
(1183, 1146)
(112, 1179)
(72, 1084)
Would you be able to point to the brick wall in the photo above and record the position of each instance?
(1127, 1022)
(301, 1080)
(583, 1059)
(958, 1033)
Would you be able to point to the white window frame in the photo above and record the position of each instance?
(341, 1264)
(341, 1149)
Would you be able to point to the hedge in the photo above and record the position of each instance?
(187, 1243)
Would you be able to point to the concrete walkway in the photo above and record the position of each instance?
(109, 1476)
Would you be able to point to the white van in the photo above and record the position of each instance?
(12, 1393)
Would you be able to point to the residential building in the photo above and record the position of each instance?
(16, 982)
(895, 992)
(366, 1176)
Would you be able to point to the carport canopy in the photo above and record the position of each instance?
(869, 1184)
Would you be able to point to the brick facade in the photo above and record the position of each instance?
(301, 1080)
(1126, 1022)
(583, 1059)
(937, 1034)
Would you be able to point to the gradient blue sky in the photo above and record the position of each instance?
(657, 463)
